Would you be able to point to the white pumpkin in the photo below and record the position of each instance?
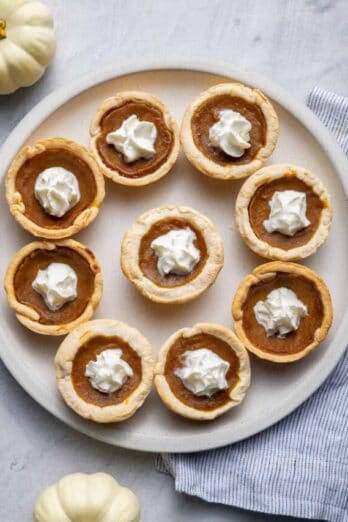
(27, 43)
(87, 498)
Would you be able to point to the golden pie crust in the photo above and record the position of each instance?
(28, 315)
(17, 204)
(64, 362)
(235, 394)
(130, 259)
(233, 171)
(264, 273)
(119, 100)
(268, 175)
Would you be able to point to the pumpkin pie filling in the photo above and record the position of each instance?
(88, 351)
(207, 115)
(148, 259)
(259, 211)
(32, 167)
(41, 259)
(174, 361)
(295, 341)
(113, 120)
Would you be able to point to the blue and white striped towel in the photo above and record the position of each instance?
(299, 467)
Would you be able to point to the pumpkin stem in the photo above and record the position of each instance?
(2, 29)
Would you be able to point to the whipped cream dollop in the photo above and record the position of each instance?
(135, 139)
(176, 252)
(57, 190)
(231, 133)
(281, 312)
(57, 284)
(287, 212)
(203, 372)
(109, 371)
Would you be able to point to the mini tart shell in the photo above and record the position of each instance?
(265, 176)
(112, 103)
(237, 394)
(210, 167)
(264, 272)
(187, 291)
(64, 364)
(30, 317)
(17, 205)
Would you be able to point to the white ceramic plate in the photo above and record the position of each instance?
(276, 389)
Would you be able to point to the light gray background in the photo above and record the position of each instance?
(297, 43)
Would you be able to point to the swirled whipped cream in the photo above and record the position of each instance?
(57, 284)
(135, 139)
(231, 133)
(280, 313)
(57, 190)
(203, 372)
(176, 252)
(109, 371)
(287, 212)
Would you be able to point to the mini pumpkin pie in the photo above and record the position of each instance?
(53, 287)
(104, 370)
(54, 188)
(134, 138)
(283, 212)
(172, 254)
(202, 372)
(282, 311)
(229, 131)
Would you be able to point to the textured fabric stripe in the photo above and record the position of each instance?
(332, 109)
(299, 467)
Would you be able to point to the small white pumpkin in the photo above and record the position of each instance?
(87, 498)
(27, 43)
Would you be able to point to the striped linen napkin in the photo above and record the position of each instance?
(299, 467)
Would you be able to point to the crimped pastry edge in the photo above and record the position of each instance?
(237, 394)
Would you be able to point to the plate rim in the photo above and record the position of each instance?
(49, 104)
